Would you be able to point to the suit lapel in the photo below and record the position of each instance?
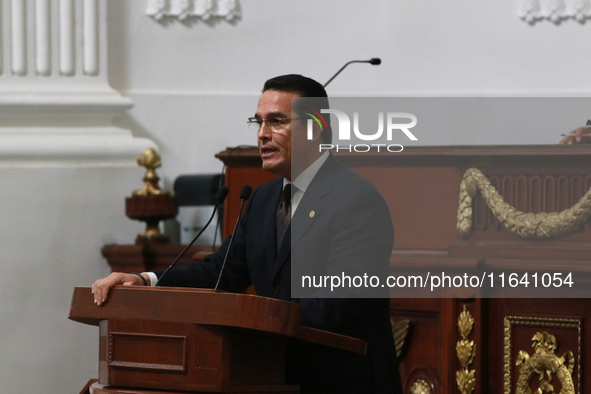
(309, 210)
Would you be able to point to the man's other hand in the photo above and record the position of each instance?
(578, 135)
(102, 287)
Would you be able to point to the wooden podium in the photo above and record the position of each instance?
(192, 340)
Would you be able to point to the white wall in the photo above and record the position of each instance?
(54, 222)
(457, 46)
(193, 85)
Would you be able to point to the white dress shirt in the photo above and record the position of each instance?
(303, 180)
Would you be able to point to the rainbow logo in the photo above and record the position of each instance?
(315, 117)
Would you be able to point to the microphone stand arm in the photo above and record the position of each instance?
(342, 68)
(192, 242)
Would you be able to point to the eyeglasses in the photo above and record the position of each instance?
(275, 124)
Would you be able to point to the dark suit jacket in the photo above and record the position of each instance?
(350, 231)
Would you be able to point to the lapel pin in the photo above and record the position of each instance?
(312, 213)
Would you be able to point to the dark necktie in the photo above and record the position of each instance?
(284, 212)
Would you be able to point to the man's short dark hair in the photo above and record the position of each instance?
(305, 87)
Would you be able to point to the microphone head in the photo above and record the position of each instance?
(222, 193)
(245, 193)
(375, 61)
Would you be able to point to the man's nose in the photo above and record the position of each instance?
(264, 131)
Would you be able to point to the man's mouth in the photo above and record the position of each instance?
(267, 152)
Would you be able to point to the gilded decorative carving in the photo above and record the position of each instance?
(400, 331)
(543, 363)
(541, 225)
(151, 160)
(466, 351)
(420, 387)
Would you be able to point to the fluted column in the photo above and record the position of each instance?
(66, 37)
(55, 99)
(54, 38)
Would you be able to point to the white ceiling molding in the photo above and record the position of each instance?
(228, 10)
(556, 11)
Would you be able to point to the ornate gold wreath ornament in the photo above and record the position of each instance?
(545, 363)
(466, 351)
(541, 225)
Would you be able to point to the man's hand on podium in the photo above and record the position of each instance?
(578, 135)
(102, 287)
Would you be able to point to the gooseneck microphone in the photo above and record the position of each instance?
(220, 197)
(376, 61)
(244, 196)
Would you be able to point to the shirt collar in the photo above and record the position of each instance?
(303, 180)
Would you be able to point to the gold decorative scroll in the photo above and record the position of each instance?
(466, 351)
(541, 225)
(544, 364)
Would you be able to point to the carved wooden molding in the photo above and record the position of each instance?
(228, 10)
(555, 11)
(176, 346)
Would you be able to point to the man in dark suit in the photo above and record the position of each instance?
(339, 224)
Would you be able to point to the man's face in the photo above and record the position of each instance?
(275, 146)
